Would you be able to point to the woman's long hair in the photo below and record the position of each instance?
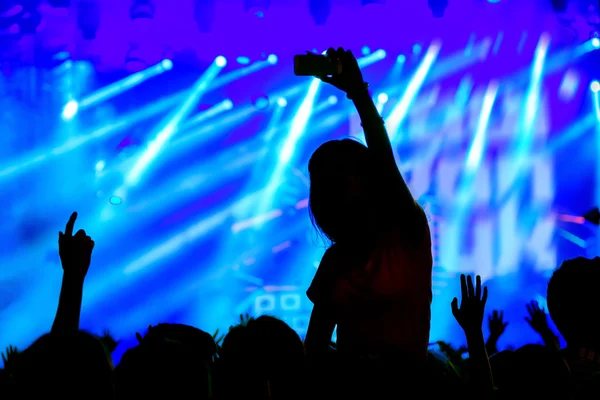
(333, 168)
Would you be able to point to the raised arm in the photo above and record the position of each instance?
(350, 80)
(380, 147)
(75, 255)
(470, 318)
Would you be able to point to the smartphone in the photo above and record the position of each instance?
(315, 65)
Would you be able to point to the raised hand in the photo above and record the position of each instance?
(218, 337)
(109, 342)
(472, 305)
(8, 357)
(75, 250)
(537, 318)
(496, 324)
(350, 79)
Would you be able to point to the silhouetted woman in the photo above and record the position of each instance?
(374, 282)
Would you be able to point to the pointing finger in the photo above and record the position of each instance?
(70, 224)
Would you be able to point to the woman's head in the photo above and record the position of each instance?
(339, 178)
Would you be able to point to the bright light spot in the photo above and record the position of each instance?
(382, 98)
(227, 104)
(569, 85)
(115, 200)
(332, 99)
(417, 49)
(401, 59)
(493, 1)
(595, 86)
(366, 50)
(596, 42)
(282, 102)
(221, 61)
(381, 54)
(167, 64)
(243, 60)
(272, 59)
(70, 109)
(100, 165)
(261, 102)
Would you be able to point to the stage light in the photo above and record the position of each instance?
(167, 64)
(281, 102)
(134, 60)
(332, 99)
(88, 18)
(70, 110)
(319, 10)
(221, 61)
(438, 7)
(365, 50)
(100, 166)
(559, 5)
(417, 49)
(228, 104)
(272, 59)
(401, 59)
(141, 9)
(257, 7)
(493, 1)
(595, 42)
(595, 86)
(243, 60)
(115, 200)
(261, 102)
(382, 98)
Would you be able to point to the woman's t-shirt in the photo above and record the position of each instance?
(381, 301)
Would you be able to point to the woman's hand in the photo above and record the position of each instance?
(350, 79)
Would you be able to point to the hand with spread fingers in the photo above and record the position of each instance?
(496, 324)
(472, 305)
(537, 318)
(8, 357)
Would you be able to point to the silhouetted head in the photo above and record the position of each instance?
(171, 361)
(574, 302)
(262, 356)
(340, 176)
(199, 342)
(533, 371)
(161, 370)
(75, 365)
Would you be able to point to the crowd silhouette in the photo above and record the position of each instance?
(373, 284)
